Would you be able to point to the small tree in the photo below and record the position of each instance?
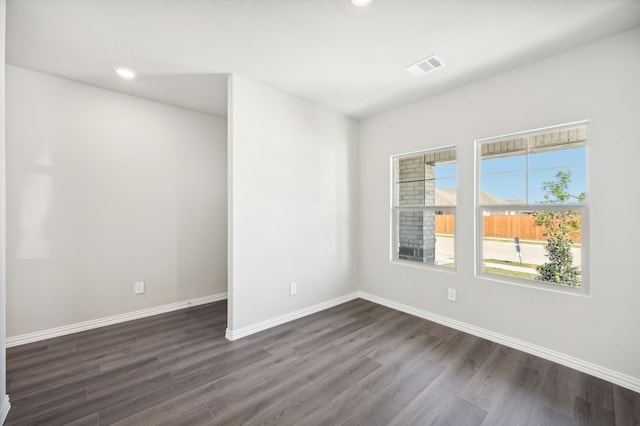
(560, 227)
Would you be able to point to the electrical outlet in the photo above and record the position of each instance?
(451, 294)
(293, 288)
(138, 288)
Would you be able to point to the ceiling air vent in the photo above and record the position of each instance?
(426, 65)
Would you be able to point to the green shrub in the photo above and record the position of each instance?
(560, 226)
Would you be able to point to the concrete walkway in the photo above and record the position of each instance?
(532, 253)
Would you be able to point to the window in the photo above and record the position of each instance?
(533, 206)
(424, 205)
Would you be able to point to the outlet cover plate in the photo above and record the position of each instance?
(138, 288)
(451, 294)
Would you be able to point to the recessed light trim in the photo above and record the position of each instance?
(125, 73)
(424, 66)
(361, 3)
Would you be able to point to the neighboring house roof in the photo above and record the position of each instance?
(448, 197)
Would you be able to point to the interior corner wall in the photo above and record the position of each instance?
(103, 190)
(293, 207)
(598, 82)
(3, 313)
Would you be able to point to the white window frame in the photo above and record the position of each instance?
(395, 210)
(583, 208)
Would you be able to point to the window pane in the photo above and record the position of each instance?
(419, 177)
(446, 192)
(557, 158)
(446, 183)
(444, 171)
(426, 236)
(557, 185)
(557, 175)
(410, 193)
(554, 257)
(410, 169)
(512, 163)
(511, 147)
(503, 188)
(445, 238)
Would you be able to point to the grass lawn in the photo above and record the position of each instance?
(508, 262)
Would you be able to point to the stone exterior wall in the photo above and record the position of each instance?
(416, 229)
(539, 141)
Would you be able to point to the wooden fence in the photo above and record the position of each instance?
(520, 226)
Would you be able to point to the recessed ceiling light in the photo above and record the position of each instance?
(361, 3)
(426, 65)
(125, 73)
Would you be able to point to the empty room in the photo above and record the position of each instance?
(303, 212)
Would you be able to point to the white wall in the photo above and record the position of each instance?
(293, 210)
(103, 190)
(4, 403)
(598, 82)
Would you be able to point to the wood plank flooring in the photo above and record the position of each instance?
(356, 364)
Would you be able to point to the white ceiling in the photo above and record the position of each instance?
(327, 51)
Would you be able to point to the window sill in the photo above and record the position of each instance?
(582, 291)
(428, 266)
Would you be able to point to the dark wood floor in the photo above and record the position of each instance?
(358, 363)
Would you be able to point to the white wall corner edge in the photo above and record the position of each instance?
(5, 405)
(115, 319)
(281, 319)
(609, 375)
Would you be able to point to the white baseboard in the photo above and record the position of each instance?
(612, 376)
(5, 405)
(272, 322)
(115, 319)
(609, 375)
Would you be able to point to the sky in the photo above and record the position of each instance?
(506, 177)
